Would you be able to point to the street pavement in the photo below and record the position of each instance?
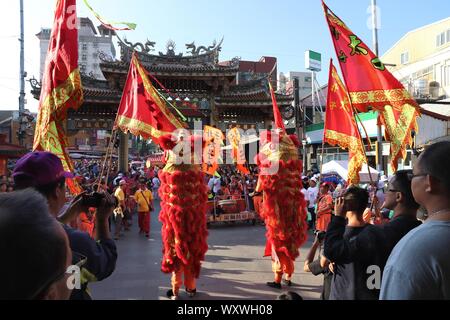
(234, 268)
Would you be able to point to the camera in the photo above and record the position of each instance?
(320, 235)
(94, 200)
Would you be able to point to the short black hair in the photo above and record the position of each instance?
(32, 250)
(402, 182)
(290, 295)
(435, 161)
(356, 199)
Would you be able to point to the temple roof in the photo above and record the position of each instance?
(199, 60)
(196, 75)
(252, 92)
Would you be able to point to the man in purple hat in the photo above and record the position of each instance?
(44, 172)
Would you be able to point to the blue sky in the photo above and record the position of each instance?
(252, 28)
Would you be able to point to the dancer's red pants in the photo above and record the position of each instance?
(285, 265)
(177, 280)
(144, 222)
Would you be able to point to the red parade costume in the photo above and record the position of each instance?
(183, 215)
(283, 208)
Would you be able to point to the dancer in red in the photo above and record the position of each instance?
(183, 215)
(283, 208)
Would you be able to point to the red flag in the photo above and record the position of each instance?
(340, 125)
(276, 111)
(370, 84)
(141, 110)
(61, 85)
(368, 81)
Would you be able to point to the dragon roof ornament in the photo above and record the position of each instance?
(198, 55)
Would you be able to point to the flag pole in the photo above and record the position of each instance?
(325, 120)
(379, 149)
(322, 151)
(355, 115)
(109, 149)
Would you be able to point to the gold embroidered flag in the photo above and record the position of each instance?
(370, 84)
(340, 125)
(61, 86)
(141, 110)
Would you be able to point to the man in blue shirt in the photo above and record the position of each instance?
(44, 172)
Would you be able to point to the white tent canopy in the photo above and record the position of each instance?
(341, 168)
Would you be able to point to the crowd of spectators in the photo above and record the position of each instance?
(362, 255)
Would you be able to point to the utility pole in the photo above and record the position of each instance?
(379, 149)
(22, 76)
(297, 107)
(300, 121)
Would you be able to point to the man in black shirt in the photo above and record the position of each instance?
(400, 199)
(358, 246)
(350, 262)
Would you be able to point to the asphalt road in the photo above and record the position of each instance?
(234, 267)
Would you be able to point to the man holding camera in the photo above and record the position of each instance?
(364, 245)
(44, 172)
(349, 251)
(144, 199)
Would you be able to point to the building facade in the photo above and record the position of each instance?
(92, 43)
(286, 83)
(10, 126)
(422, 60)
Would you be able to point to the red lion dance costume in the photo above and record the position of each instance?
(283, 208)
(183, 215)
